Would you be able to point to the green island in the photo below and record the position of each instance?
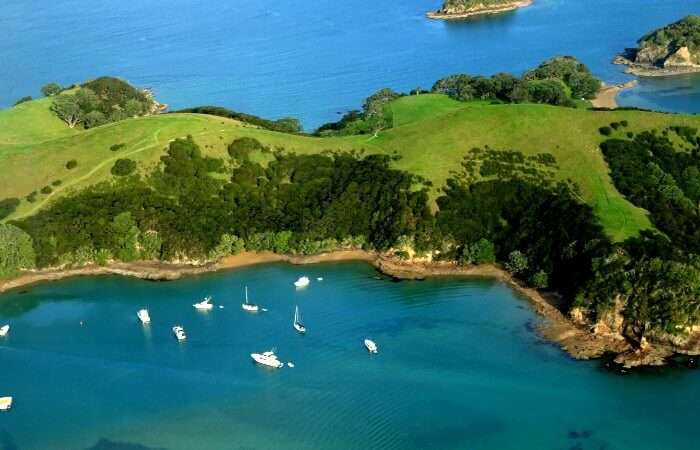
(460, 9)
(670, 50)
(592, 212)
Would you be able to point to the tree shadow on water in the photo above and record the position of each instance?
(106, 444)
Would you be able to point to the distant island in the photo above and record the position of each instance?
(460, 9)
(671, 50)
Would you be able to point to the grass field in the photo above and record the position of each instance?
(432, 133)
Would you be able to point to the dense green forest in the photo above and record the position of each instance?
(284, 125)
(557, 81)
(459, 6)
(684, 33)
(97, 102)
(502, 207)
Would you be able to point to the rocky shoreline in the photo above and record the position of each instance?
(483, 10)
(650, 70)
(574, 335)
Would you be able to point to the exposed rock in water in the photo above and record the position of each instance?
(460, 9)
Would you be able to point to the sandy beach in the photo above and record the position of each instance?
(607, 97)
(578, 341)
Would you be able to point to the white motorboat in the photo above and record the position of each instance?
(5, 403)
(247, 306)
(297, 322)
(267, 359)
(320, 278)
(179, 333)
(371, 346)
(204, 305)
(302, 282)
(4, 330)
(143, 316)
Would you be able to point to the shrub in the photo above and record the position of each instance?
(116, 147)
(46, 190)
(72, 164)
(630, 134)
(56, 183)
(23, 99)
(242, 147)
(540, 280)
(517, 262)
(123, 167)
(615, 125)
(605, 131)
(50, 89)
(624, 123)
(8, 206)
(31, 198)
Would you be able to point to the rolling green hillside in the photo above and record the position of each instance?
(432, 133)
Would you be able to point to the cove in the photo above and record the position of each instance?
(460, 366)
(316, 58)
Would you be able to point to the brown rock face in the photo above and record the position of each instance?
(680, 58)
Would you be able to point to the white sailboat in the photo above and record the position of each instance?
(143, 316)
(179, 333)
(297, 322)
(267, 359)
(247, 306)
(4, 330)
(5, 403)
(371, 346)
(204, 305)
(302, 282)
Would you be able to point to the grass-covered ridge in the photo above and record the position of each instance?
(432, 134)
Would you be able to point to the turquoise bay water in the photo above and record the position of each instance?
(316, 58)
(459, 368)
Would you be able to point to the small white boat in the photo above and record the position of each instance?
(297, 322)
(143, 316)
(371, 346)
(4, 330)
(5, 403)
(204, 305)
(247, 306)
(320, 278)
(179, 333)
(267, 359)
(302, 282)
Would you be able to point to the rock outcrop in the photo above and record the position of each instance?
(671, 50)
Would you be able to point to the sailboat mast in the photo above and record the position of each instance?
(246, 294)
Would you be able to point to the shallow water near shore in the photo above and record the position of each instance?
(460, 366)
(316, 58)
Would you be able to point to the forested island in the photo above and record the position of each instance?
(399, 179)
(460, 9)
(671, 50)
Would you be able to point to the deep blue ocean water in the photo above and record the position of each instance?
(314, 59)
(459, 367)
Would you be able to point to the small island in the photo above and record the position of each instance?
(671, 50)
(460, 9)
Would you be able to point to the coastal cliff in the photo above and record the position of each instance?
(460, 9)
(671, 50)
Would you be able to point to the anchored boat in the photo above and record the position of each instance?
(5, 403)
(267, 359)
(247, 306)
(4, 330)
(371, 346)
(297, 322)
(302, 282)
(204, 305)
(179, 333)
(143, 316)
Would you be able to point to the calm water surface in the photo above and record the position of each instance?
(459, 368)
(315, 58)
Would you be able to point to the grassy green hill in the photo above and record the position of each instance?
(432, 133)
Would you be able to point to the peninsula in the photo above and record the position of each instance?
(513, 177)
(671, 50)
(460, 9)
